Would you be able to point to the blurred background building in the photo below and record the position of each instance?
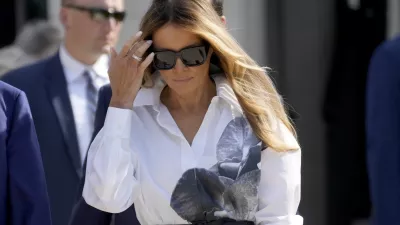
(319, 52)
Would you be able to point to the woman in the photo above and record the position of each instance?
(190, 147)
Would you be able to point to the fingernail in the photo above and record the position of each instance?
(149, 42)
(138, 34)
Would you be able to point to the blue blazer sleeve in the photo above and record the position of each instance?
(27, 186)
(383, 133)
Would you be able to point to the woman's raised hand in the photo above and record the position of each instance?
(126, 71)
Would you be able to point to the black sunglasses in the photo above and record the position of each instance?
(190, 56)
(99, 14)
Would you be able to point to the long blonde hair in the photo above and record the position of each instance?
(255, 91)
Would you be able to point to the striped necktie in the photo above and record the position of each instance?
(91, 95)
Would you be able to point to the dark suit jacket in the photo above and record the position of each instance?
(83, 213)
(383, 132)
(357, 33)
(23, 192)
(46, 88)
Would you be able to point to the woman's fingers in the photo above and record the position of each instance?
(142, 48)
(134, 49)
(146, 62)
(139, 49)
(113, 58)
(113, 53)
(130, 44)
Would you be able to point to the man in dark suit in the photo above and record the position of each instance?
(383, 132)
(360, 28)
(62, 92)
(85, 214)
(23, 191)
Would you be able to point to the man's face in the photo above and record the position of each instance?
(88, 28)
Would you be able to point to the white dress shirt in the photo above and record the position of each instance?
(140, 156)
(77, 85)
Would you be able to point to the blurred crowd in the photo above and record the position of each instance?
(36, 40)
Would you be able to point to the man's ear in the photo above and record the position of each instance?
(223, 20)
(63, 16)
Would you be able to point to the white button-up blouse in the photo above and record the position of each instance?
(140, 157)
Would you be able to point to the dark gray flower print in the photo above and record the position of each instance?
(198, 194)
(236, 138)
(229, 188)
(241, 199)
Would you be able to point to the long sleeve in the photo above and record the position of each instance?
(83, 213)
(110, 183)
(279, 190)
(27, 184)
(100, 116)
(383, 134)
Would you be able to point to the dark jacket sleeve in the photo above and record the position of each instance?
(82, 212)
(27, 185)
(383, 133)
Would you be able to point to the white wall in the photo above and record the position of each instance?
(135, 10)
(393, 18)
(247, 22)
(53, 7)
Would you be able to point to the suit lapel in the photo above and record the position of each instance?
(57, 92)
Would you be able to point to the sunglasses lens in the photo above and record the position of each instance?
(194, 56)
(100, 15)
(164, 60)
(119, 16)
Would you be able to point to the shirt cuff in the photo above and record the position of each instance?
(118, 122)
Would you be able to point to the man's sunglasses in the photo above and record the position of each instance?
(99, 14)
(190, 56)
